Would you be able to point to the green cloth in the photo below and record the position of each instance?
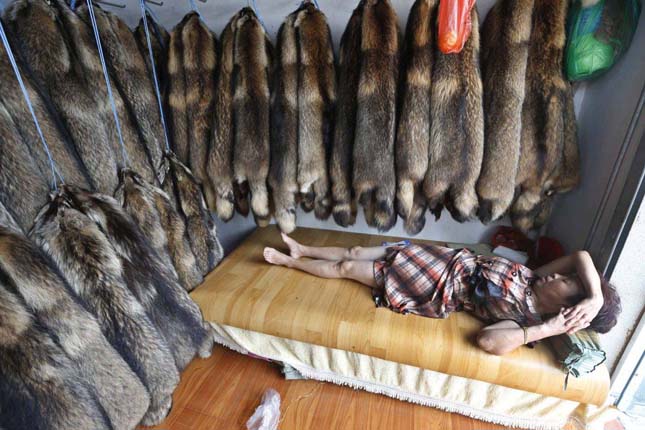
(579, 353)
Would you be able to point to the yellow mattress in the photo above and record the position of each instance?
(247, 293)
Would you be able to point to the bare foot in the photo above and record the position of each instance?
(295, 249)
(274, 256)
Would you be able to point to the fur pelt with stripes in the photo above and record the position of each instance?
(40, 386)
(457, 136)
(374, 179)
(90, 263)
(341, 160)
(505, 42)
(413, 135)
(42, 35)
(30, 275)
(177, 110)
(7, 220)
(251, 110)
(160, 40)
(548, 120)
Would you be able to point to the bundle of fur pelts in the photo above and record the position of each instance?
(160, 40)
(192, 60)
(47, 37)
(29, 274)
(549, 152)
(91, 264)
(374, 180)
(413, 134)
(457, 133)
(40, 387)
(303, 102)
(505, 44)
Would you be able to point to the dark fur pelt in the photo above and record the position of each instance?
(457, 137)
(30, 275)
(548, 121)
(252, 66)
(220, 157)
(374, 178)
(41, 36)
(93, 269)
(505, 42)
(134, 93)
(177, 111)
(413, 135)
(160, 40)
(341, 165)
(40, 387)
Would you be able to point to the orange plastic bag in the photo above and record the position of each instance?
(454, 24)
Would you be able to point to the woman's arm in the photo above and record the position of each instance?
(579, 262)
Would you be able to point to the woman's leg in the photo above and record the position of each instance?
(333, 253)
(361, 271)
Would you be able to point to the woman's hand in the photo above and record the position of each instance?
(565, 322)
(581, 314)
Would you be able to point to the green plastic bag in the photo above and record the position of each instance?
(599, 32)
(579, 353)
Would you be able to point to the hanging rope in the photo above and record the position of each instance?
(54, 171)
(316, 3)
(72, 4)
(257, 13)
(154, 73)
(90, 8)
(193, 6)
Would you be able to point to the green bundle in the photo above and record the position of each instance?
(579, 353)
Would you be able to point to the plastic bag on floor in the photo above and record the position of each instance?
(267, 415)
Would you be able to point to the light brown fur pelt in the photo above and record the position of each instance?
(176, 110)
(374, 178)
(39, 32)
(32, 276)
(413, 132)
(548, 121)
(341, 163)
(457, 137)
(92, 268)
(251, 107)
(160, 40)
(505, 41)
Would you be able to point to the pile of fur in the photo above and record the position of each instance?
(302, 109)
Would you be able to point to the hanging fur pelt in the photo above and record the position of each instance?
(30, 275)
(160, 40)
(505, 42)
(374, 178)
(549, 151)
(151, 209)
(91, 266)
(341, 165)
(251, 93)
(38, 35)
(177, 111)
(219, 165)
(40, 387)
(130, 78)
(174, 313)
(413, 135)
(7, 220)
(457, 139)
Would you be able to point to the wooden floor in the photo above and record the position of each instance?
(223, 391)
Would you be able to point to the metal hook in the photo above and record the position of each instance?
(156, 3)
(107, 3)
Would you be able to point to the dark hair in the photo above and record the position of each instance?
(608, 314)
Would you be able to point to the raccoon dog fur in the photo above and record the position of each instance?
(30, 275)
(413, 135)
(177, 111)
(374, 178)
(7, 220)
(160, 39)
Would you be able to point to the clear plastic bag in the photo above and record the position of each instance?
(267, 415)
(454, 25)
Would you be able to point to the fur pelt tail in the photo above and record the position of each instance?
(413, 135)
(457, 138)
(505, 41)
(251, 107)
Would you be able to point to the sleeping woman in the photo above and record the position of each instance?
(520, 305)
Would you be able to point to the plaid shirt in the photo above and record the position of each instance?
(434, 281)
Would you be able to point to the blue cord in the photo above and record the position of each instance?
(154, 72)
(25, 93)
(90, 8)
(257, 13)
(193, 6)
(72, 4)
(316, 3)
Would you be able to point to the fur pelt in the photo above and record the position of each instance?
(40, 387)
(177, 111)
(41, 37)
(155, 285)
(413, 133)
(505, 42)
(219, 165)
(7, 220)
(30, 275)
(374, 178)
(92, 267)
(133, 90)
(160, 40)
(548, 121)
(341, 163)
(251, 110)
(457, 137)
